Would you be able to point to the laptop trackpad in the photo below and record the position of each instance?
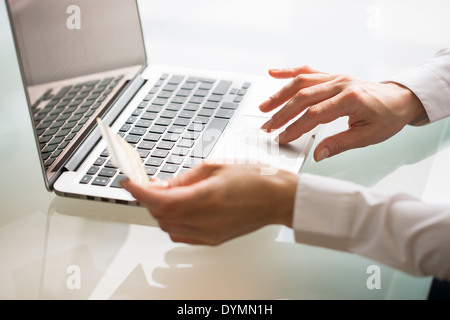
(246, 142)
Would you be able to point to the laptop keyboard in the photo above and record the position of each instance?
(66, 112)
(174, 128)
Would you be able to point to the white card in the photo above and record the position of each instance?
(123, 156)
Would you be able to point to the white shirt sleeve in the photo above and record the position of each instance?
(431, 84)
(397, 230)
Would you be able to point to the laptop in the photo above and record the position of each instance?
(87, 59)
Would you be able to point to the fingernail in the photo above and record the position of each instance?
(323, 154)
(265, 104)
(156, 182)
(267, 126)
(280, 137)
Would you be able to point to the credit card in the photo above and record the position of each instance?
(123, 156)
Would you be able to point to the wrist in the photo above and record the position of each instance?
(414, 111)
(286, 188)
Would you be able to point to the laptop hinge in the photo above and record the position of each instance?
(108, 118)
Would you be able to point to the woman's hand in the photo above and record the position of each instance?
(376, 111)
(213, 203)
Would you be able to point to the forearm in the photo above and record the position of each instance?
(398, 230)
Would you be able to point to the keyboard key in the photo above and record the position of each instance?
(132, 139)
(169, 168)
(125, 128)
(176, 129)
(196, 127)
(149, 116)
(242, 92)
(229, 105)
(172, 137)
(183, 93)
(143, 153)
(201, 120)
(175, 159)
(186, 114)
(159, 153)
(185, 143)
(155, 109)
(222, 87)
(163, 122)
(164, 175)
(207, 142)
(138, 131)
(116, 181)
(170, 87)
(131, 120)
(101, 181)
(168, 114)
(206, 112)
(56, 140)
(215, 98)
(104, 153)
(106, 172)
(136, 112)
(157, 129)
(179, 151)
(197, 100)
(151, 170)
(201, 93)
(238, 99)
(205, 86)
(191, 107)
(92, 170)
(154, 162)
(109, 164)
(191, 135)
(99, 161)
(179, 100)
(165, 94)
(165, 145)
(224, 114)
(173, 107)
(211, 105)
(181, 122)
(175, 79)
(50, 148)
(152, 137)
(85, 179)
(143, 123)
(146, 145)
(159, 102)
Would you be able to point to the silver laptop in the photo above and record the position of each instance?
(87, 59)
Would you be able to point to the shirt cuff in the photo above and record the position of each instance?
(323, 212)
(434, 97)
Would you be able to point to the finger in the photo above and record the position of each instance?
(143, 195)
(286, 73)
(302, 99)
(198, 173)
(323, 112)
(174, 200)
(182, 233)
(289, 90)
(356, 137)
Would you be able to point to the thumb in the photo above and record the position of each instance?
(338, 143)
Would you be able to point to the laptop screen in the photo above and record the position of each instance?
(64, 39)
(76, 58)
